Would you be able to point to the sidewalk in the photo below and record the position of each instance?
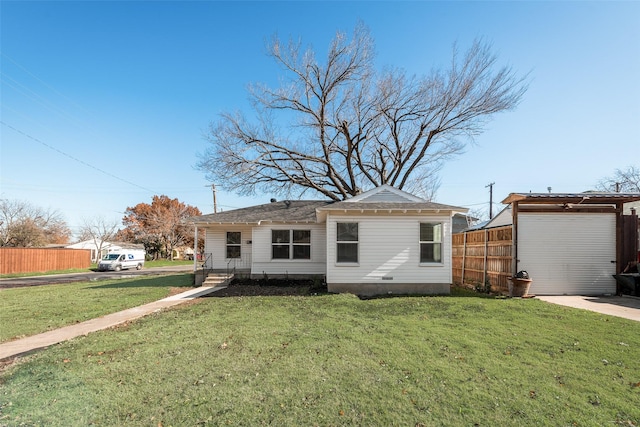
(620, 306)
(36, 342)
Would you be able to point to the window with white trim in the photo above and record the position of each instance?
(291, 244)
(431, 242)
(347, 242)
(234, 244)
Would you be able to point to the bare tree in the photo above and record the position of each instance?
(349, 127)
(98, 230)
(622, 181)
(25, 225)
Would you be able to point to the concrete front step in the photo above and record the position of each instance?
(215, 279)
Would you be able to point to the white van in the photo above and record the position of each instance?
(122, 260)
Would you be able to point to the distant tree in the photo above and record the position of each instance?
(623, 181)
(25, 225)
(339, 127)
(99, 231)
(161, 226)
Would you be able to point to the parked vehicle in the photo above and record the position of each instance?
(122, 260)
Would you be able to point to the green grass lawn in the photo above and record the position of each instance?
(336, 360)
(31, 310)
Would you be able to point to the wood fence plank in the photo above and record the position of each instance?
(40, 260)
(487, 256)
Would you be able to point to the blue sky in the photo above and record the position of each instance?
(104, 104)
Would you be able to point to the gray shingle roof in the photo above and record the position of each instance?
(305, 211)
(281, 211)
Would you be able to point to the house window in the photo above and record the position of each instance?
(347, 242)
(234, 244)
(291, 244)
(430, 242)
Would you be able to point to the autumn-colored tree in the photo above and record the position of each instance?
(160, 226)
(24, 225)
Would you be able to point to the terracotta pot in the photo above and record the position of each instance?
(519, 287)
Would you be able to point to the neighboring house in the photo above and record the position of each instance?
(105, 249)
(571, 244)
(503, 218)
(382, 241)
(462, 222)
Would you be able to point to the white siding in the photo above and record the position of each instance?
(263, 264)
(568, 253)
(388, 247)
(216, 244)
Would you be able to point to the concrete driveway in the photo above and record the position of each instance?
(619, 306)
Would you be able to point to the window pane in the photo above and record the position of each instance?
(279, 236)
(347, 232)
(347, 252)
(431, 232)
(233, 251)
(430, 252)
(233, 237)
(426, 232)
(301, 236)
(280, 251)
(437, 233)
(301, 251)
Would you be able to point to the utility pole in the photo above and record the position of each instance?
(490, 199)
(215, 202)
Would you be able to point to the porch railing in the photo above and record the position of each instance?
(204, 268)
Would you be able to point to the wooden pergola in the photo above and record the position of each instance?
(589, 202)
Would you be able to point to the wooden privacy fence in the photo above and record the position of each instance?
(36, 260)
(483, 257)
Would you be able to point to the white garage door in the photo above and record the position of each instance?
(568, 254)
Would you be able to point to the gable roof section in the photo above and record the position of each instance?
(387, 199)
(288, 211)
(385, 193)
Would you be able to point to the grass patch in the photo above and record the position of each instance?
(338, 360)
(166, 263)
(31, 310)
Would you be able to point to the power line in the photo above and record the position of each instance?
(75, 159)
(48, 86)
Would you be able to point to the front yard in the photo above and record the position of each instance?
(32, 310)
(338, 360)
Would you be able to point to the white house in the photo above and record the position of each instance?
(382, 241)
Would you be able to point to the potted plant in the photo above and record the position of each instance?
(519, 284)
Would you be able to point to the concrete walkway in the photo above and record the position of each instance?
(36, 342)
(619, 306)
